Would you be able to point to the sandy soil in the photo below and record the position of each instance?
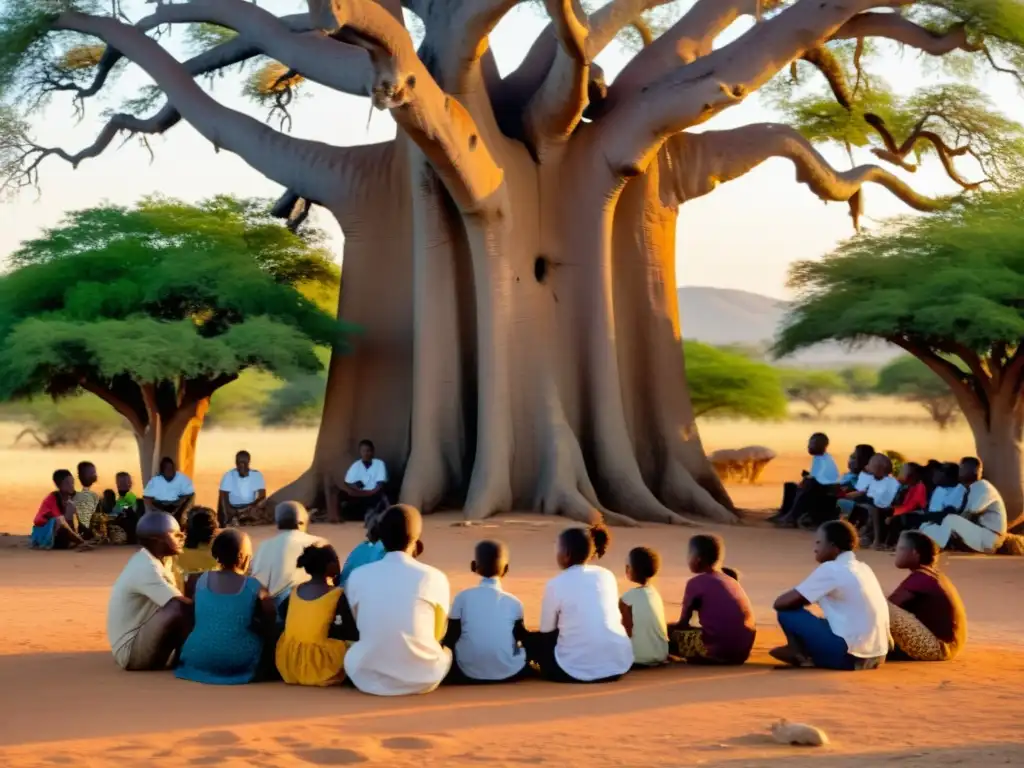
(64, 701)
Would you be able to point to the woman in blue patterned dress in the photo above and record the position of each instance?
(235, 618)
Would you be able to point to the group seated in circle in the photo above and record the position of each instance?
(384, 622)
(951, 503)
(69, 518)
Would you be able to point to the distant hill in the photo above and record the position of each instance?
(722, 316)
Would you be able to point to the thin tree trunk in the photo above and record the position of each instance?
(175, 437)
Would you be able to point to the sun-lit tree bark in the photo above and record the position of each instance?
(511, 254)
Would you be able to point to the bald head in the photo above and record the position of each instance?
(400, 527)
(291, 516)
(160, 533)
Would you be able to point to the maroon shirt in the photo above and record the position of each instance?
(726, 619)
(933, 599)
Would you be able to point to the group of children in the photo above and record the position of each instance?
(382, 621)
(951, 503)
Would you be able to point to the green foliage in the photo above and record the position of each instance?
(860, 380)
(299, 402)
(163, 292)
(814, 388)
(910, 379)
(729, 384)
(203, 37)
(955, 277)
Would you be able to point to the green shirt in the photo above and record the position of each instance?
(126, 502)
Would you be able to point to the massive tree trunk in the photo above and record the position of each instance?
(999, 440)
(515, 285)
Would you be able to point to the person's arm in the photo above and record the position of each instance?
(520, 632)
(282, 610)
(347, 630)
(261, 497)
(902, 595)
(224, 505)
(811, 590)
(627, 617)
(157, 589)
(790, 601)
(453, 633)
(265, 614)
(350, 485)
(190, 585)
(549, 609)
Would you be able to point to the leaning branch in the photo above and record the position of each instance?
(699, 162)
(898, 28)
(306, 166)
(897, 153)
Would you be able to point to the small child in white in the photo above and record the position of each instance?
(643, 614)
(485, 627)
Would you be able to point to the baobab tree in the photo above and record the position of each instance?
(510, 255)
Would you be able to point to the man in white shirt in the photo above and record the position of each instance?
(170, 491)
(485, 629)
(982, 526)
(363, 490)
(148, 619)
(854, 633)
(274, 564)
(400, 607)
(243, 494)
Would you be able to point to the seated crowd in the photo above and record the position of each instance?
(384, 622)
(951, 504)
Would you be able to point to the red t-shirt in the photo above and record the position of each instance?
(49, 509)
(916, 500)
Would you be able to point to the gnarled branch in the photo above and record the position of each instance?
(897, 153)
(698, 162)
(902, 30)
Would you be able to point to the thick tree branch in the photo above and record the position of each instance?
(121, 405)
(556, 108)
(474, 21)
(694, 93)
(971, 399)
(897, 153)
(699, 162)
(613, 17)
(898, 28)
(306, 166)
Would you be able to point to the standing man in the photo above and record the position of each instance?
(982, 524)
(170, 492)
(363, 490)
(243, 494)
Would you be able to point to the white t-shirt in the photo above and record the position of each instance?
(160, 489)
(144, 587)
(370, 476)
(242, 490)
(274, 566)
(824, 469)
(985, 501)
(582, 603)
(947, 497)
(882, 492)
(487, 649)
(650, 633)
(401, 609)
(852, 601)
(864, 480)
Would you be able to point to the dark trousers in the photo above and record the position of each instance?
(457, 677)
(812, 501)
(540, 649)
(812, 637)
(358, 507)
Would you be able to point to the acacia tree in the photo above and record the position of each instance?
(153, 309)
(912, 380)
(814, 388)
(495, 377)
(726, 383)
(947, 289)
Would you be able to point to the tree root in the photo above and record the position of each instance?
(681, 490)
(425, 481)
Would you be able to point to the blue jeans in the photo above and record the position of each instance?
(846, 506)
(811, 636)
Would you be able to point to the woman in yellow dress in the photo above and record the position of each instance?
(316, 622)
(195, 559)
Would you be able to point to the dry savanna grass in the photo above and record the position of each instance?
(282, 454)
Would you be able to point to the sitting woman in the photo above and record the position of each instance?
(196, 559)
(926, 617)
(581, 638)
(54, 524)
(312, 649)
(234, 617)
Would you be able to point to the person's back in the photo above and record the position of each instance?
(274, 562)
(592, 643)
(487, 648)
(143, 587)
(400, 607)
(987, 503)
(726, 616)
(649, 633)
(854, 605)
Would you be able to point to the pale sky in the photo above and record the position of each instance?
(744, 235)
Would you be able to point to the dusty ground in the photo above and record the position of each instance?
(64, 702)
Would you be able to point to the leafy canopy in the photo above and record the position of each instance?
(955, 277)
(911, 379)
(729, 384)
(815, 388)
(160, 292)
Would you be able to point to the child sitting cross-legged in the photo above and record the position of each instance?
(316, 621)
(643, 614)
(485, 627)
(727, 630)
